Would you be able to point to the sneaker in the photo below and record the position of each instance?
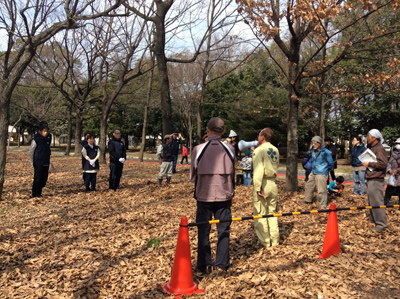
(378, 229)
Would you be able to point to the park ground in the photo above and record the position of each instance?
(69, 244)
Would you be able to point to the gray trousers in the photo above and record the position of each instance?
(166, 168)
(375, 198)
(319, 181)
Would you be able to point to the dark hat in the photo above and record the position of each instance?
(216, 125)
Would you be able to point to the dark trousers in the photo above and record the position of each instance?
(174, 160)
(184, 158)
(333, 177)
(39, 179)
(308, 171)
(90, 179)
(115, 174)
(220, 210)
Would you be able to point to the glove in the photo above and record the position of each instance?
(92, 162)
(122, 160)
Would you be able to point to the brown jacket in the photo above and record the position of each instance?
(213, 170)
(379, 166)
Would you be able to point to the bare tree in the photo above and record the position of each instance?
(26, 27)
(72, 69)
(122, 51)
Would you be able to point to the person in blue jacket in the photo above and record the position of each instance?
(357, 167)
(322, 164)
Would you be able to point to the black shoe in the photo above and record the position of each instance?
(206, 271)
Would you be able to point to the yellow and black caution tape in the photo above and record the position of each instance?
(290, 214)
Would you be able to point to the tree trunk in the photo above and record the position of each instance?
(293, 135)
(4, 121)
(69, 131)
(103, 138)
(159, 51)
(78, 131)
(322, 118)
(146, 111)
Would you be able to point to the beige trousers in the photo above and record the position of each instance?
(267, 229)
(319, 181)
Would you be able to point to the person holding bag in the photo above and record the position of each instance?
(393, 168)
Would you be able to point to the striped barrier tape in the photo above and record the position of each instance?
(291, 214)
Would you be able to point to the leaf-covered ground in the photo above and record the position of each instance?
(70, 244)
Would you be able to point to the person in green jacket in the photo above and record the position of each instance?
(265, 190)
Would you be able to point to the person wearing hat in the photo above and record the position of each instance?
(332, 148)
(393, 168)
(117, 151)
(231, 138)
(357, 167)
(212, 169)
(322, 164)
(376, 179)
(265, 189)
(164, 154)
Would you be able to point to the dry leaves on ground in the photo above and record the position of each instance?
(70, 244)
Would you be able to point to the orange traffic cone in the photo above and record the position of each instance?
(182, 276)
(331, 243)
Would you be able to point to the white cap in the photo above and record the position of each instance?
(397, 140)
(232, 134)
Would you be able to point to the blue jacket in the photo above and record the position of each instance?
(355, 152)
(307, 160)
(322, 161)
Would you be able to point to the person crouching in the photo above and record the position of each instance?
(335, 188)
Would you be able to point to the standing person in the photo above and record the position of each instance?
(332, 148)
(247, 167)
(164, 154)
(91, 154)
(307, 163)
(213, 170)
(357, 167)
(117, 151)
(321, 165)
(176, 141)
(82, 144)
(265, 190)
(184, 154)
(39, 154)
(375, 179)
(393, 168)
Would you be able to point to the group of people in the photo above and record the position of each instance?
(212, 170)
(40, 153)
(373, 171)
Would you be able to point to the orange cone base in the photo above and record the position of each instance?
(177, 292)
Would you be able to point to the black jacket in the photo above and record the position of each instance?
(92, 153)
(41, 157)
(166, 154)
(117, 150)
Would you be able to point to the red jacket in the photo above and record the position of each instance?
(184, 151)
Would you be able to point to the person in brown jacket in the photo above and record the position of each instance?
(376, 179)
(213, 171)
